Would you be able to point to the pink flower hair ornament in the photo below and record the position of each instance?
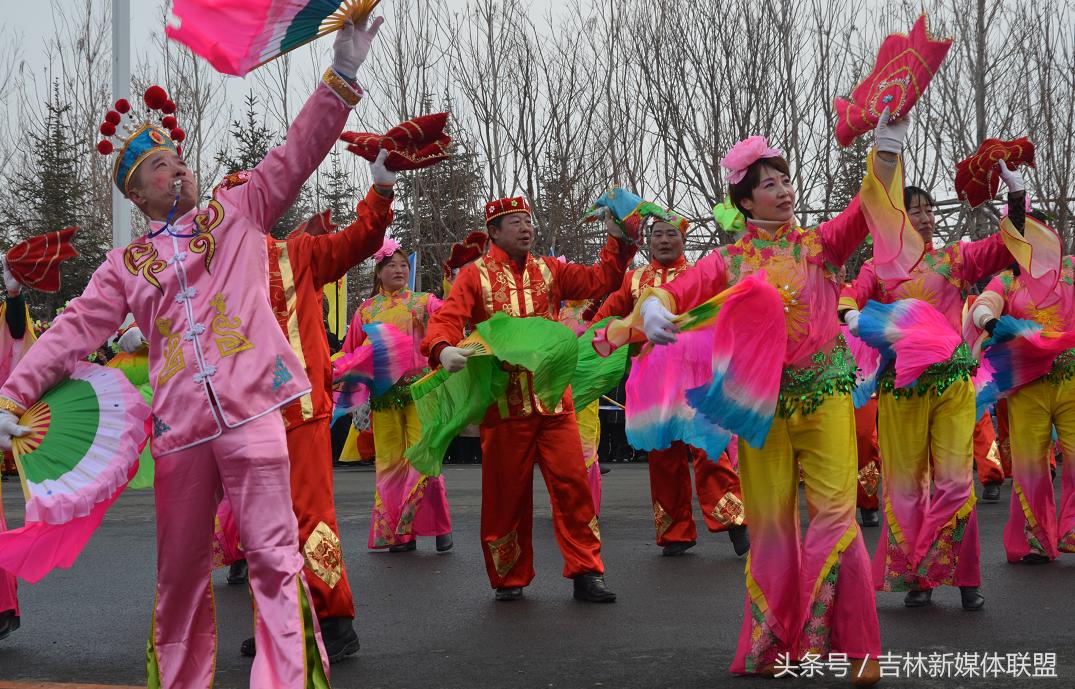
(746, 153)
(389, 247)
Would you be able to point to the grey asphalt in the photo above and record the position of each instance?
(429, 619)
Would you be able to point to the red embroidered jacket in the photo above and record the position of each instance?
(622, 301)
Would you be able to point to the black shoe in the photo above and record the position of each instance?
(972, 598)
(1035, 559)
(678, 548)
(740, 539)
(340, 638)
(248, 648)
(869, 517)
(918, 599)
(238, 573)
(991, 492)
(512, 593)
(403, 547)
(444, 542)
(9, 622)
(591, 588)
(603, 468)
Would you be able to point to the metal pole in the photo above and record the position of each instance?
(121, 88)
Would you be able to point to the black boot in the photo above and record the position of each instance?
(603, 468)
(238, 572)
(444, 542)
(1035, 559)
(403, 547)
(510, 593)
(991, 492)
(972, 598)
(591, 587)
(340, 637)
(869, 517)
(740, 539)
(918, 599)
(678, 548)
(9, 622)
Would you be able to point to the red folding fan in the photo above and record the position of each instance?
(411, 145)
(977, 177)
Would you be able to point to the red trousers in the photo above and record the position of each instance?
(986, 453)
(510, 447)
(869, 456)
(717, 484)
(309, 446)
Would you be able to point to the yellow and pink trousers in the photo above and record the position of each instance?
(1033, 523)
(805, 593)
(929, 534)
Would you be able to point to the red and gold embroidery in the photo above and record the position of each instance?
(323, 554)
(229, 340)
(141, 259)
(869, 477)
(729, 510)
(174, 361)
(505, 552)
(662, 521)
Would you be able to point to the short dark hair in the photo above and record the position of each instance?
(495, 223)
(910, 193)
(744, 188)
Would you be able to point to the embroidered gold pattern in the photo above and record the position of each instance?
(661, 519)
(229, 340)
(174, 362)
(729, 510)
(595, 528)
(141, 258)
(207, 221)
(505, 552)
(323, 554)
(869, 476)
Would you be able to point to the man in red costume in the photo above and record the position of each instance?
(716, 482)
(519, 430)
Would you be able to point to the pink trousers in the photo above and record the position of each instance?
(9, 599)
(250, 463)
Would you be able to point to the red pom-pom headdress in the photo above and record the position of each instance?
(134, 135)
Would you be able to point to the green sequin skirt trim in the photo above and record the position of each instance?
(803, 389)
(934, 380)
(1063, 368)
(398, 396)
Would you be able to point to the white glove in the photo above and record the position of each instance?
(657, 322)
(382, 176)
(851, 318)
(131, 341)
(352, 45)
(9, 427)
(1013, 179)
(888, 136)
(454, 358)
(982, 314)
(13, 285)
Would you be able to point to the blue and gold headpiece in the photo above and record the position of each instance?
(142, 137)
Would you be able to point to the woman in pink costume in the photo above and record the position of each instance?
(406, 503)
(1035, 534)
(812, 594)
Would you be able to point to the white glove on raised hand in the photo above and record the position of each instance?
(131, 341)
(12, 285)
(657, 322)
(382, 176)
(352, 45)
(453, 359)
(1013, 179)
(9, 428)
(851, 318)
(889, 134)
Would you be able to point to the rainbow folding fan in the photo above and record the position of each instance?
(905, 65)
(236, 36)
(977, 177)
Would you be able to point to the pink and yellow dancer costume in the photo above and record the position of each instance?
(715, 482)
(221, 369)
(929, 538)
(1035, 531)
(407, 503)
(809, 594)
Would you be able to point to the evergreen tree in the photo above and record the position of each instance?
(49, 194)
(338, 191)
(250, 142)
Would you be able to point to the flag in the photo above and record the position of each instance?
(412, 265)
(336, 298)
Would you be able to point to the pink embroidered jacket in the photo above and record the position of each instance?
(202, 301)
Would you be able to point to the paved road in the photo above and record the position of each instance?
(429, 620)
